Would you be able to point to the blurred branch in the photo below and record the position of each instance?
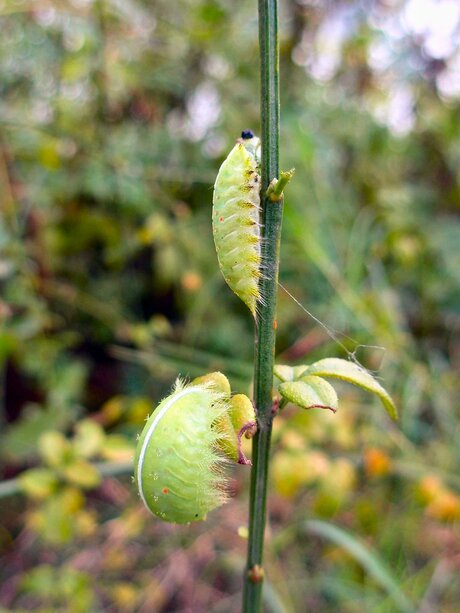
(302, 347)
(7, 203)
(192, 356)
(441, 578)
(107, 314)
(105, 469)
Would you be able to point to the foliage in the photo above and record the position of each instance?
(114, 119)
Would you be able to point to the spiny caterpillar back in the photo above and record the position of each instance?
(235, 220)
(177, 468)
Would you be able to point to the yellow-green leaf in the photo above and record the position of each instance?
(117, 448)
(89, 438)
(352, 373)
(82, 473)
(54, 448)
(288, 373)
(310, 393)
(38, 482)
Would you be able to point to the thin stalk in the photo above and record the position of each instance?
(272, 213)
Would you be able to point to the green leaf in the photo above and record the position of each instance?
(352, 373)
(20, 439)
(310, 393)
(368, 559)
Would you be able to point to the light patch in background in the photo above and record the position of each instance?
(203, 110)
(45, 17)
(397, 112)
(214, 146)
(437, 22)
(434, 24)
(218, 67)
(448, 81)
(329, 42)
(380, 55)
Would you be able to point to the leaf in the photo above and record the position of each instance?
(38, 482)
(309, 393)
(54, 448)
(368, 559)
(89, 438)
(20, 439)
(288, 373)
(352, 373)
(81, 473)
(117, 448)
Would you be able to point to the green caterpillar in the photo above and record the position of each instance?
(186, 442)
(235, 220)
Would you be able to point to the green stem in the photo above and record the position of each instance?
(276, 187)
(272, 213)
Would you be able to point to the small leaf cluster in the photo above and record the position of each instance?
(58, 485)
(306, 385)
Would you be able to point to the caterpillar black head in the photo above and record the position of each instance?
(247, 134)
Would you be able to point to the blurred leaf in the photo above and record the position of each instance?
(369, 560)
(54, 520)
(88, 439)
(81, 473)
(20, 439)
(61, 588)
(118, 448)
(55, 449)
(38, 482)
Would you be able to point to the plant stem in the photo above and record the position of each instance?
(272, 213)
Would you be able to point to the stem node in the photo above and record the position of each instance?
(276, 188)
(256, 574)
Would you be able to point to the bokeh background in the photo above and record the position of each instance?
(114, 118)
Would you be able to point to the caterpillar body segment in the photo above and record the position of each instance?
(185, 444)
(236, 221)
(178, 468)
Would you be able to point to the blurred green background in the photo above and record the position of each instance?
(114, 118)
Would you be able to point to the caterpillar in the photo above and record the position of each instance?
(235, 219)
(179, 467)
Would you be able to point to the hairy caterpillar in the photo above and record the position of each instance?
(235, 219)
(181, 453)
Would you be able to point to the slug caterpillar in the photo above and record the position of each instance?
(235, 219)
(185, 444)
